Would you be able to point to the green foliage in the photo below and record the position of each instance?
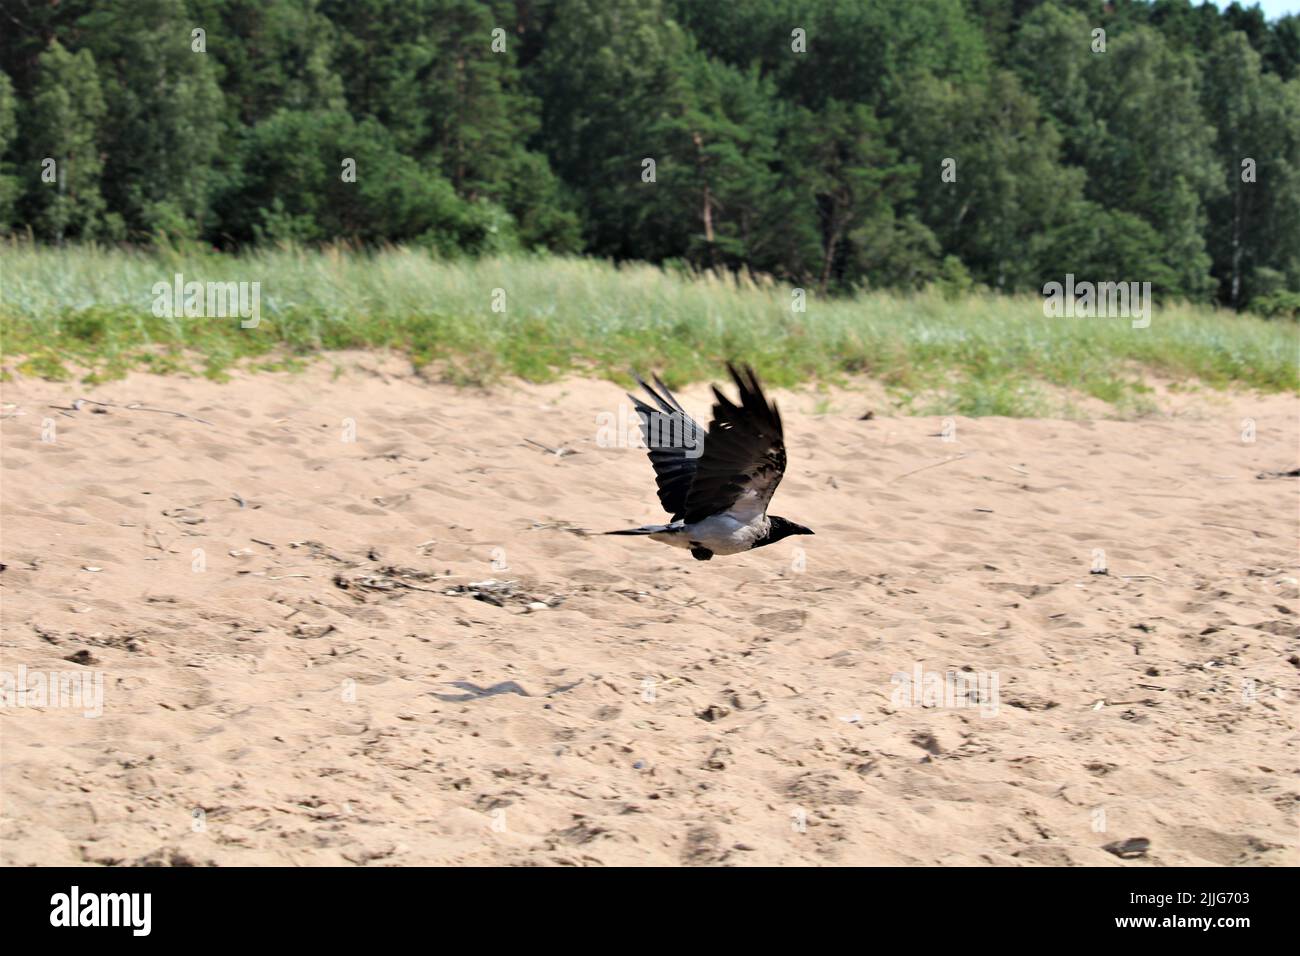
(1130, 117)
(9, 184)
(1009, 188)
(798, 139)
(297, 186)
(166, 131)
(1254, 233)
(1277, 305)
(67, 109)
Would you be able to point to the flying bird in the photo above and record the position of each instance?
(716, 485)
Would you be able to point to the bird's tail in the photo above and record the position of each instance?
(645, 529)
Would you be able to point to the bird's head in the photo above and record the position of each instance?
(783, 528)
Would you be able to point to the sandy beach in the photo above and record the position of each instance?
(357, 617)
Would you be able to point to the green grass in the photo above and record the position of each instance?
(87, 312)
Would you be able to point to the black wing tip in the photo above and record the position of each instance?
(668, 394)
(640, 380)
(666, 401)
(752, 395)
(746, 379)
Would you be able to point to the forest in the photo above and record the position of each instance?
(838, 145)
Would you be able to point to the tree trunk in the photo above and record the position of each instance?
(707, 212)
(1236, 249)
(832, 243)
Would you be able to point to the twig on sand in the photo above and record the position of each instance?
(1022, 471)
(1233, 527)
(412, 587)
(1133, 577)
(557, 452)
(133, 406)
(932, 465)
(560, 526)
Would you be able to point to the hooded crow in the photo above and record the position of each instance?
(717, 485)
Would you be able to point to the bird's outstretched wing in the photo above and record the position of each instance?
(744, 458)
(675, 443)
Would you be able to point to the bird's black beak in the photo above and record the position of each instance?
(803, 530)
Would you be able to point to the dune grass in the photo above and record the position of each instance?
(88, 312)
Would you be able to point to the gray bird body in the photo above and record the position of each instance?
(717, 495)
(720, 534)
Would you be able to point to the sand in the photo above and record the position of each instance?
(403, 649)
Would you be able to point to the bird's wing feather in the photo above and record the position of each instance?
(744, 458)
(675, 443)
